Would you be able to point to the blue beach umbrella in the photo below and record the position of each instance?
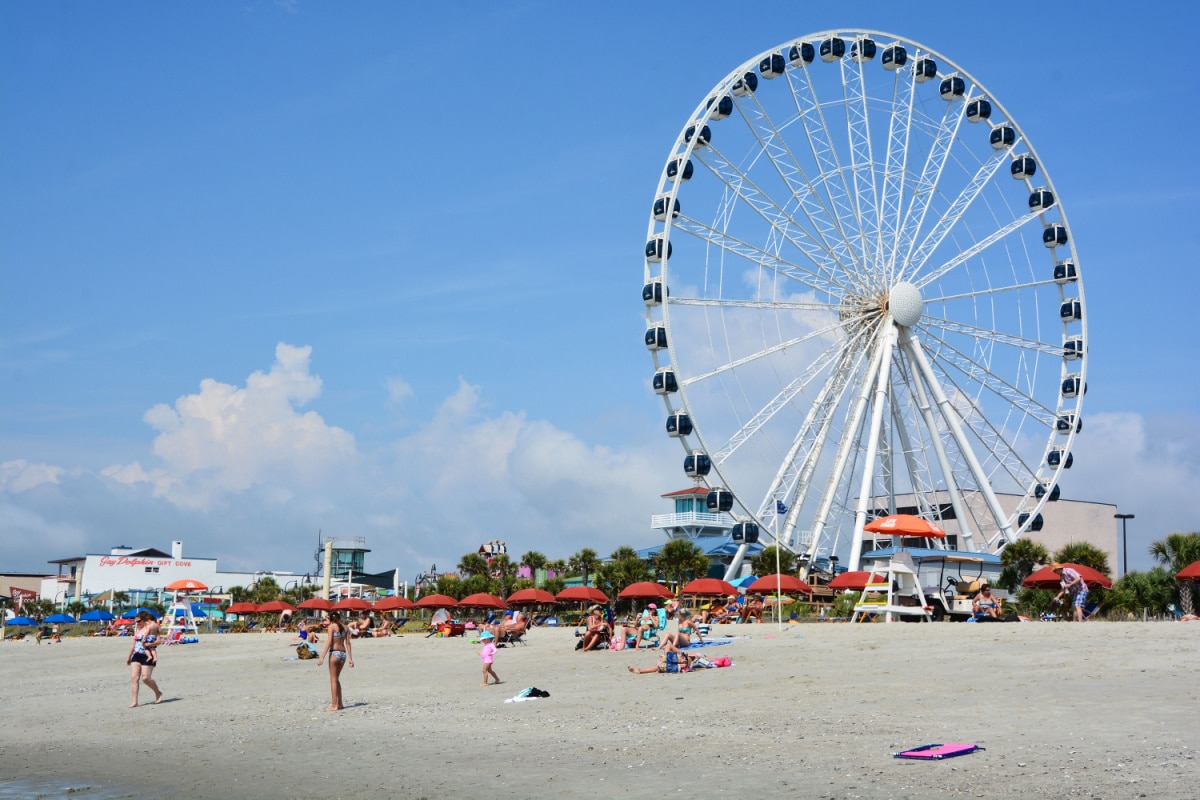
(61, 619)
(133, 612)
(97, 615)
(19, 621)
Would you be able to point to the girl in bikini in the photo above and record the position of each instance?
(682, 637)
(337, 648)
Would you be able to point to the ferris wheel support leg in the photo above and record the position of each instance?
(950, 416)
(736, 563)
(843, 454)
(884, 370)
(956, 501)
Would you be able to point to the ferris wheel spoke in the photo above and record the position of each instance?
(824, 152)
(985, 378)
(814, 246)
(768, 351)
(977, 248)
(990, 291)
(895, 166)
(767, 305)
(757, 256)
(862, 162)
(991, 335)
(965, 198)
(924, 189)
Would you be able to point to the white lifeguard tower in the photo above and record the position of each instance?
(893, 591)
(179, 617)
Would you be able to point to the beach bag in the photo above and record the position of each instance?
(305, 651)
(723, 661)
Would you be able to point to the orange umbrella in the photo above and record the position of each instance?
(436, 601)
(526, 597)
(1189, 573)
(394, 603)
(582, 594)
(786, 584)
(317, 604)
(855, 580)
(709, 587)
(482, 600)
(645, 590)
(1047, 578)
(242, 608)
(904, 525)
(352, 604)
(275, 607)
(186, 585)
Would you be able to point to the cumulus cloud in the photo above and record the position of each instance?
(227, 439)
(20, 475)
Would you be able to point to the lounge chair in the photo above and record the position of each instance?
(515, 635)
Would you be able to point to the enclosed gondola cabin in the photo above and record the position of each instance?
(978, 110)
(953, 87)
(924, 70)
(1002, 137)
(1039, 492)
(772, 66)
(745, 85)
(744, 531)
(661, 204)
(1040, 199)
(1023, 167)
(1054, 235)
(1073, 348)
(655, 251)
(1059, 456)
(679, 170)
(653, 292)
(702, 139)
(894, 57)
(719, 500)
(679, 424)
(1073, 386)
(832, 49)
(799, 54)
(664, 381)
(656, 336)
(1065, 272)
(1035, 524)
(697, 464)
(719, 108)
(1071, 310)
(1065, 422)
(862, 50)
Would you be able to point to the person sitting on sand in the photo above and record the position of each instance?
(753, 608)
(681, 637)
(362, 628)
(986, 604)
(384, 628)
(597, 630)
(727, 613)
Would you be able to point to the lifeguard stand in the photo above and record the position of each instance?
(900, 596)
(177, 611)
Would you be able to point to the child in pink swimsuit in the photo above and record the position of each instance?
(488, 654)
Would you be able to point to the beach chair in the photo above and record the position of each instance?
(1175, 612)
(515, 635)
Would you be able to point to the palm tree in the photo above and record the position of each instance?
(534, 561)
(764, 562)
(1152, 591)
(472, 564)
(119, 599)
(680, 559)
(1175, 552)
(624, 567)
(505, 571)
(584, 563)
(266, 590)
(75, 608)
(450, 585)
(1083, 553)
(1020, 559)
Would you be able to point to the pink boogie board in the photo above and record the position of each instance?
(932, 752)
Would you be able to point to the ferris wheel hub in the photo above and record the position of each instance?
(905, 304)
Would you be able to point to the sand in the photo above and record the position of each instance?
(817, 710)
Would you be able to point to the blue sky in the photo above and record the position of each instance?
(274, 268)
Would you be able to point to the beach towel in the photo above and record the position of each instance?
(710, 643)
(933, 752)
(532, 693)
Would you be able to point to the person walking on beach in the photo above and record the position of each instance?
(141, 659)
(337, 649)
(488, 654)
(1074, 583)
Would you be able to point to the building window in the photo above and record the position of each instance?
(151, 569)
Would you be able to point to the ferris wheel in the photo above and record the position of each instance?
(862, 297)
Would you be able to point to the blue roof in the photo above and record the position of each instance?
(929, 554)
(711, 545)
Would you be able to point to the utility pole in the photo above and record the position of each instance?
(1124, 541)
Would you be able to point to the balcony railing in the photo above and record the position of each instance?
(691, 518)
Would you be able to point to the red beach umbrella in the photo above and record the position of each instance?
(394, 603)
(352, 604)
(482, 600)
(1189, 573)
(787, 584)
(530, 597)
(709, 587)
(186, 585)
(854, 580)
(582, 594)
(1047, 578)
(904, 525)
(275, 607)
(242, 608)
(436, 601)
(317, 604)
(645, 590)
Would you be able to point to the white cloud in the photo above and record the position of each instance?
(20, 476)
(227, 439)
(398, 390)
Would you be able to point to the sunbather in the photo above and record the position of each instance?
(668, 662)
(753, 608)
(597, 632)
(682, 636)
(985, 603)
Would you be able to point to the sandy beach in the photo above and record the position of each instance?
(817, 710)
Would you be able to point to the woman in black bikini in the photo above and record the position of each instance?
(337, 647)
(142, 658)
